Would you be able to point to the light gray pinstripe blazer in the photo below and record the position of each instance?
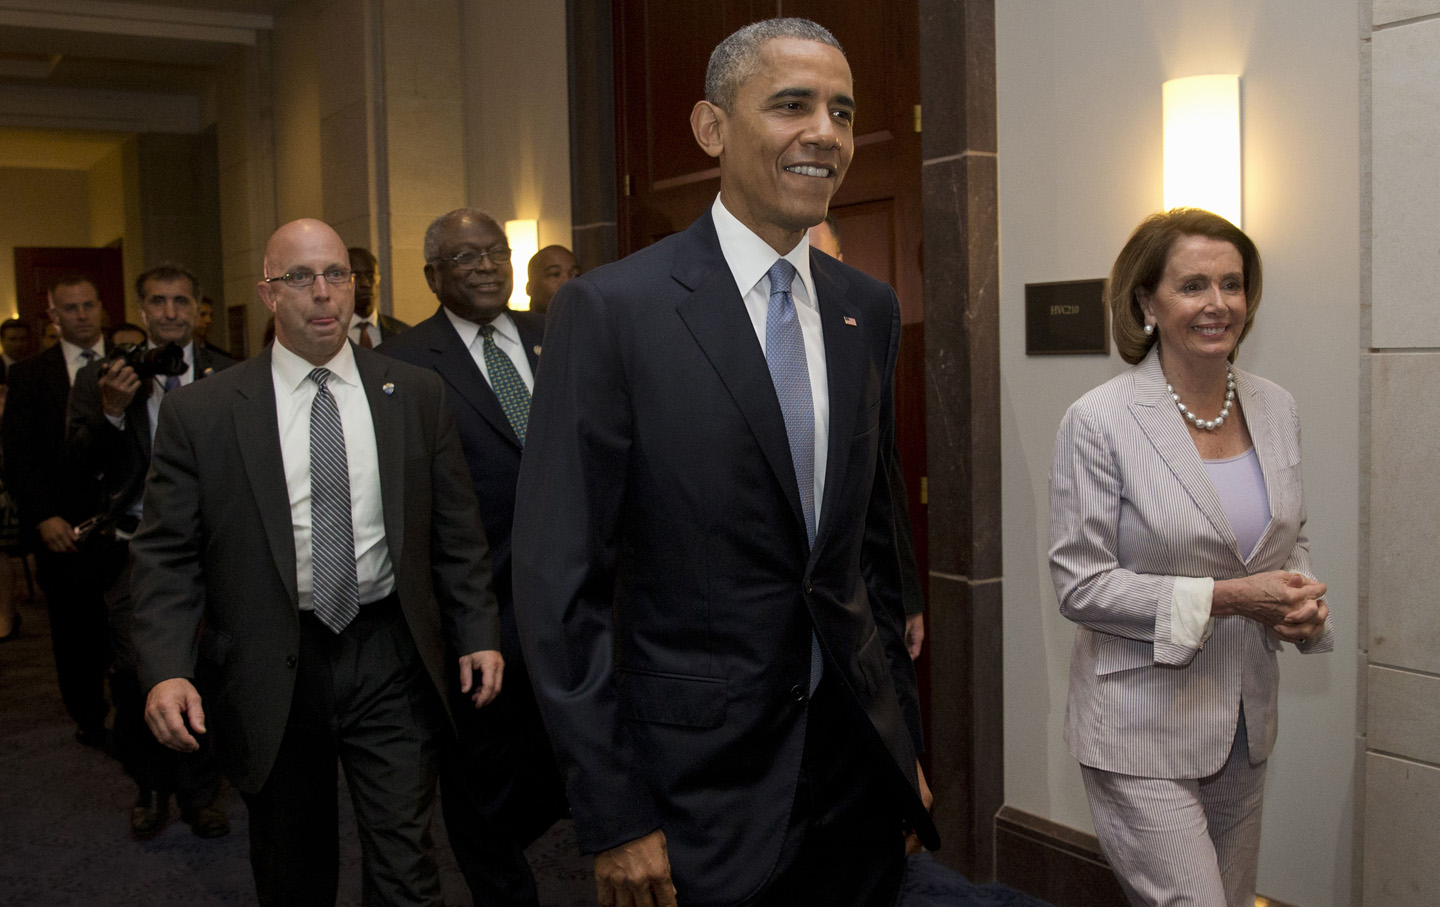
(1132, 508)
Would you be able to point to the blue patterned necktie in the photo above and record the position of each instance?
(790, 372)
(335, 586)
(509, 387)
(171, 382)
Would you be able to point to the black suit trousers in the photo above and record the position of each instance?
(362, 699)
(78, 631)
(845, 842)
(500, 789)
(193, 778)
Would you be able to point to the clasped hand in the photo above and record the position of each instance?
(1290, 604)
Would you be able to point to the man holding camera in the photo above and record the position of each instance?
(113, 407)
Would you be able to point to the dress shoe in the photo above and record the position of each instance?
(151, 811)
(206, 821)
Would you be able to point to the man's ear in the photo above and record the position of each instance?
(708, 123)
(432, 279)
(265, 289)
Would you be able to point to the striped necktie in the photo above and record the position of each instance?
(509, 387)
(790, 372)
(335, 586)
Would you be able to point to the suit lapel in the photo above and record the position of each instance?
(388, 415)
(1155, 412)
(258, 429)
(453, 362)
(845, 375)
(715, 314)
(1263, 426)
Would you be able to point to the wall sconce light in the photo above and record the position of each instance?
(524, 239)
(1202, 145)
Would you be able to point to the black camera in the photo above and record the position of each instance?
(148, 362)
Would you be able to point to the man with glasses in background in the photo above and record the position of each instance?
(307, 515)
(500, 786)
(368, 326)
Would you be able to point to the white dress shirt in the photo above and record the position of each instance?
(75, 356)
(507, 338)
(294, 394)
(358, 324)
(750, 258)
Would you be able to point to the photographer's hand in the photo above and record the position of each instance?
(117, 388)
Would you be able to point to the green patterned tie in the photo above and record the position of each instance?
(514, 396)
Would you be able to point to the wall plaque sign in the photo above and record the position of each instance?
(1067, 318)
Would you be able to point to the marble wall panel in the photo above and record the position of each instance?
(1404, 510)
(1401, 834)
(1403, 714)
(1385, 12)
(1405, 142)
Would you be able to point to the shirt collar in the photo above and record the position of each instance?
(504, 326)
(751, 257)
(291, 371)
(356, 319)
(73, 350)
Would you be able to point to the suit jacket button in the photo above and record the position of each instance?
(289, 661)
(809, 587)
(798, 692)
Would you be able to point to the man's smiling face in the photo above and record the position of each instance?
(787, 140)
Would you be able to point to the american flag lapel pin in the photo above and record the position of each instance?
(850, 321)
(388, 387)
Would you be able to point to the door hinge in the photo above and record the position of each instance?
(625, 181)
(925, 490)
(917, 117)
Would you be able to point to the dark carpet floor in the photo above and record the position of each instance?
(64, 824)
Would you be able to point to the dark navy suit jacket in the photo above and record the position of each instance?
(664, 584)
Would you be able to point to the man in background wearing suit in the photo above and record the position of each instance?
(368, 326)
(111, 426)
(548, 271)
(308, 512)
(53, 499)
(500, 787)
(15, 344)
(706, 574)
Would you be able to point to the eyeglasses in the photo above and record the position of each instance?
(302, 279)
(469, 261)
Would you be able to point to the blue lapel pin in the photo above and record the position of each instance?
(388, 387)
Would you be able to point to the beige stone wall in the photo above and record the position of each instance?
(42, 208)
(1400, 505)
(414, 108)
(113, 183)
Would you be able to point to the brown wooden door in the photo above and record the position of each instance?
(666, 181)
(36, 266)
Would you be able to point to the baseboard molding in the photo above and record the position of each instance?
(1053, 862)
(1058, 864)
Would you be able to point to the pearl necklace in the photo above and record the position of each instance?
(1211, 424)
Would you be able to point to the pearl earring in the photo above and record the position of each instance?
(1149, 329)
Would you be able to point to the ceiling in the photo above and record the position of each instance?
(162, 46)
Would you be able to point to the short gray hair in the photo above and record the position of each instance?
(432, 232)
(735, 59)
